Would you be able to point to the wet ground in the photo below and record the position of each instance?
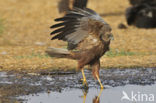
(66, 87)
(109, 95)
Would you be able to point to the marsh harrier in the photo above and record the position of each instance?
(89, 34)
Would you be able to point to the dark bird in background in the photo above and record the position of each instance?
(142, 13)
(66, 5)
(137, 2)
(90, 34)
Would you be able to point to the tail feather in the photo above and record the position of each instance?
(58, 52)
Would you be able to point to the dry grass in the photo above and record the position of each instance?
(27, 22)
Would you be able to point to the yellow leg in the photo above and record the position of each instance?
(84, 78)
(99, 81)
(100, 93)
(84, 97)
(98, 97)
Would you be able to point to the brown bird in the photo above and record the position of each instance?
(66, 5)
(89, 34)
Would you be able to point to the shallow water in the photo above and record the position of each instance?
(108, 95)
(66, 87)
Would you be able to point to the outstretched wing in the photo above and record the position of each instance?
(78, 24)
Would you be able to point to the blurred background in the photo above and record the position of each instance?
(25, 35)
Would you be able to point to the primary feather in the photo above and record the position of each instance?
(84, 22)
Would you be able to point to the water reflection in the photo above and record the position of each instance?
(92, 95)
(96, 99)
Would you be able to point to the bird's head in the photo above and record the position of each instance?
(106, 34)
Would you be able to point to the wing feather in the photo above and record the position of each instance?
(77, 25)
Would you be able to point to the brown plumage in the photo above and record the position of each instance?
(66, 5)
(89, 34)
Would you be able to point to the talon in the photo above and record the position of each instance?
(85, 82)
(102, 87)
(84, 79)
(99, 81)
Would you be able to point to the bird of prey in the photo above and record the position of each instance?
(90, 35)
(66, 5)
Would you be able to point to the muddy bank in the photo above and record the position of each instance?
(13, 84)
